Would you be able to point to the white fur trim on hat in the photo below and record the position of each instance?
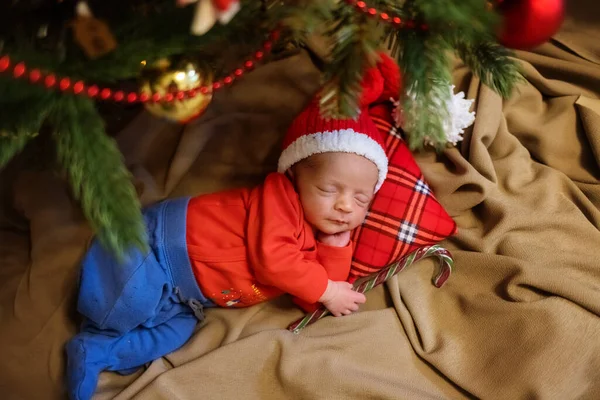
(343, 141)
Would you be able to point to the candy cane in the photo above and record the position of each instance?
(365, 284)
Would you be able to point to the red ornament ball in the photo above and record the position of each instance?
(529, 23)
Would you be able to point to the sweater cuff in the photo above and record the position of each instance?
(332, 252)
(316, 290)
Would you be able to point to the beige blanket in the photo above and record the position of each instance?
(518, 319)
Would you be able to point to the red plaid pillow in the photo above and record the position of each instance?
(404, 215)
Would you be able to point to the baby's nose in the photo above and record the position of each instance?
(343, 204)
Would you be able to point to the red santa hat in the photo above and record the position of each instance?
(311, 134)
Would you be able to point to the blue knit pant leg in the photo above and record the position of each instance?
(94, 352)
(133, 315)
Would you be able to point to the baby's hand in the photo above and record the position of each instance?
(340, 299)
(340, 239)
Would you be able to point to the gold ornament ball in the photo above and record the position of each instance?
(172, 80)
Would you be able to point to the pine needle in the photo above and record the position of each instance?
(22, 113)
(11, 145)
(493, 64)
(472, 18)
(427, 77)
(303, 17)
(98, 177)
(356, 41)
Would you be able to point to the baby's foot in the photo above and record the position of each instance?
(82, 376)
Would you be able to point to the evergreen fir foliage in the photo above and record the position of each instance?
(356, 41)
(422, 58)
(11, 145)
(493, 64)
(23, 110)
(470, 18)
(98, 177)
(303, 18)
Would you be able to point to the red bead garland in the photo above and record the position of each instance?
(50, 81)
(19, 70)
(385, 17)
(64, 84)
(78, 87)
(35, 75)
(4, 63)
(105, 93)
(93, 91)
(119, 96)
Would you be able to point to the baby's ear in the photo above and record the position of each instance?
(290, 173)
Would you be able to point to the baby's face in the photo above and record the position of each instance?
(335, 190)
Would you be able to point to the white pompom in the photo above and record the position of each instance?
(459, 116)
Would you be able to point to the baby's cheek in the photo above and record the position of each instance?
(361, 215)
(325, 204)
(362, 211)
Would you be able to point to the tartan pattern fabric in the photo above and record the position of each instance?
(404, 215)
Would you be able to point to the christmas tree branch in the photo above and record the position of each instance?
(20, 119)
(473, 17)
(422, 58)
(97, 174)
(356, 41)
(11, 145)
(493, 64)
(303, 17)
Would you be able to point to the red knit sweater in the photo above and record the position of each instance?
(251, 245)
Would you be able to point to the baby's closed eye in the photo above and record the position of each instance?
(327, 189)
(362, 199)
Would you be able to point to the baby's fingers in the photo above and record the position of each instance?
(359, 298)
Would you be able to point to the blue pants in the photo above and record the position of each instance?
(136, 310)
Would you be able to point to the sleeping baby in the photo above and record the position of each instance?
(236, 248)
